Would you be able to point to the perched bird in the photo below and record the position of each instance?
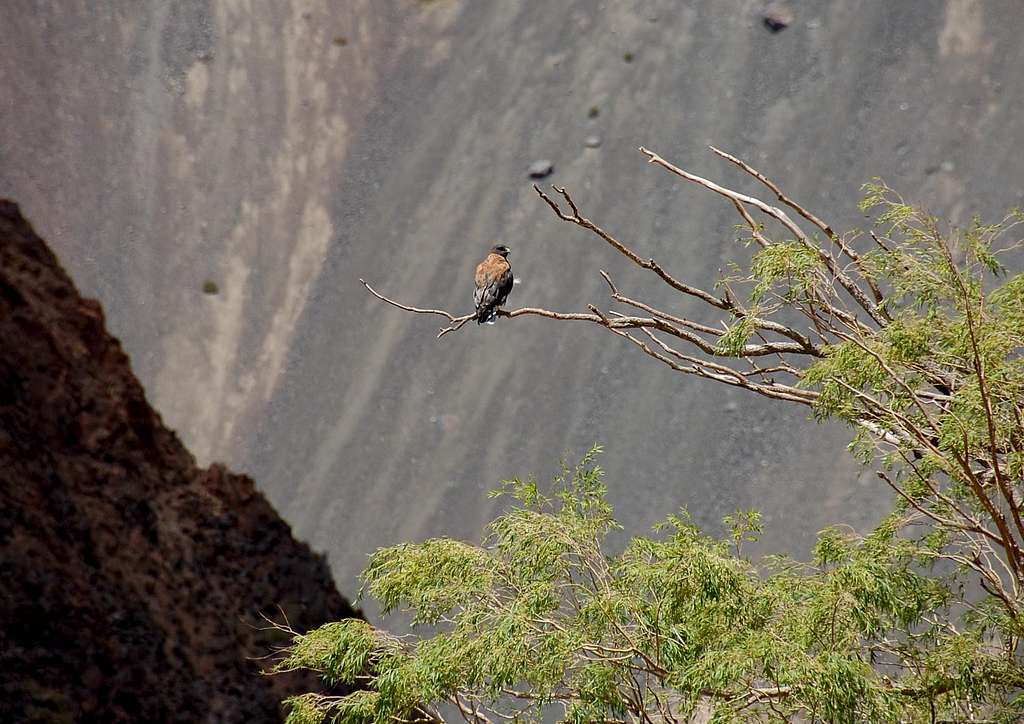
(493, 283)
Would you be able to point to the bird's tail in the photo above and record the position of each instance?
(486, 315)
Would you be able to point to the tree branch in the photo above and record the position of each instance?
(725, 304)
(779, 215)
(650, 264)
(457, 322)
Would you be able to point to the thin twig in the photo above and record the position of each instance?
(651, 264)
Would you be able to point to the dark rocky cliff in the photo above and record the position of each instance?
(131, 581)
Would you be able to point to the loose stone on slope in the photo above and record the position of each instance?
(541, 168)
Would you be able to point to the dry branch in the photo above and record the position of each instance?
(456, 322)
(779, 215)
(651, 264)
(725, 304)
(702, 338)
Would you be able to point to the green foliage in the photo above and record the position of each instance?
(731, 343)
(441, 573)
(794, 263)
(340, 651)
(540, 615)
(307, 709)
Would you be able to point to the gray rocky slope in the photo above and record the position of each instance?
(283, 150)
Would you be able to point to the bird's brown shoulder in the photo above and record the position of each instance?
(492, 268)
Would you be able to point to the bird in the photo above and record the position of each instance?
(493, 283)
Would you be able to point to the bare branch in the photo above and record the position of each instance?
(779, 392)
(755, 228)
(779, 215)
(772, 211)
(695, 326)
(720, 373)
(785, 199)
(724, 304)
(585, 223)
(456, 322)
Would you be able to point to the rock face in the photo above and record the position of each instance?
(164, 144)
(131, 581)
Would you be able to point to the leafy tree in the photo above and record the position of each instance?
(911, 334)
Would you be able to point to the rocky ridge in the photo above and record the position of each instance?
(131, 581)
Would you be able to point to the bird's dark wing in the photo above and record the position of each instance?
(504, 286)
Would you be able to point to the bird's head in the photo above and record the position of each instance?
(500, 250)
